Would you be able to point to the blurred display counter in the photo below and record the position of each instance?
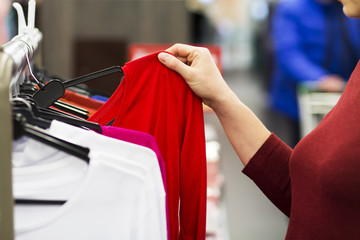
(216, 226)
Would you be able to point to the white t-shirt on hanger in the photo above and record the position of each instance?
(132, 153)
(110, 203)
(43, 172)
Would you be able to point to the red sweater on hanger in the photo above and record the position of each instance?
(318, 183)
(154, 99)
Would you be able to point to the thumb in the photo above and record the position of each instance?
(173, 63)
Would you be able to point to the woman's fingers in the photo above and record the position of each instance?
(174, 63)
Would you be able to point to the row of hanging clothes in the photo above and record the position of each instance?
(132, 166)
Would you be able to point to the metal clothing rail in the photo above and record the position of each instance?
(21, 49)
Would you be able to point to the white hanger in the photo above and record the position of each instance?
(31, 14)
(21, 17)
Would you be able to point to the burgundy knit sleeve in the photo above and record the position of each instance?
(269, 169)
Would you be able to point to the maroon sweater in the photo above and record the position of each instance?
(318, 183)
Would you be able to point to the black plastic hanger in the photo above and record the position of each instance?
(22, 107)
(51, 114)
(74, 110)
(55, 89)
(31, 85)
(39, 201)
(22, 128)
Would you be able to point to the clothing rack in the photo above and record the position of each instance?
(14, 57)
(21, 49)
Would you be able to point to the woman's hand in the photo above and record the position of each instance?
(197, 67)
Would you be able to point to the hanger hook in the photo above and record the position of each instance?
(21, 17)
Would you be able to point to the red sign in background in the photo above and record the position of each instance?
(142, 49)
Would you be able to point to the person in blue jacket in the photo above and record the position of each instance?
(312, 41)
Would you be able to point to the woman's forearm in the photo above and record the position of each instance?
(245, 131)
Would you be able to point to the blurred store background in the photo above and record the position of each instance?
(83, 36)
